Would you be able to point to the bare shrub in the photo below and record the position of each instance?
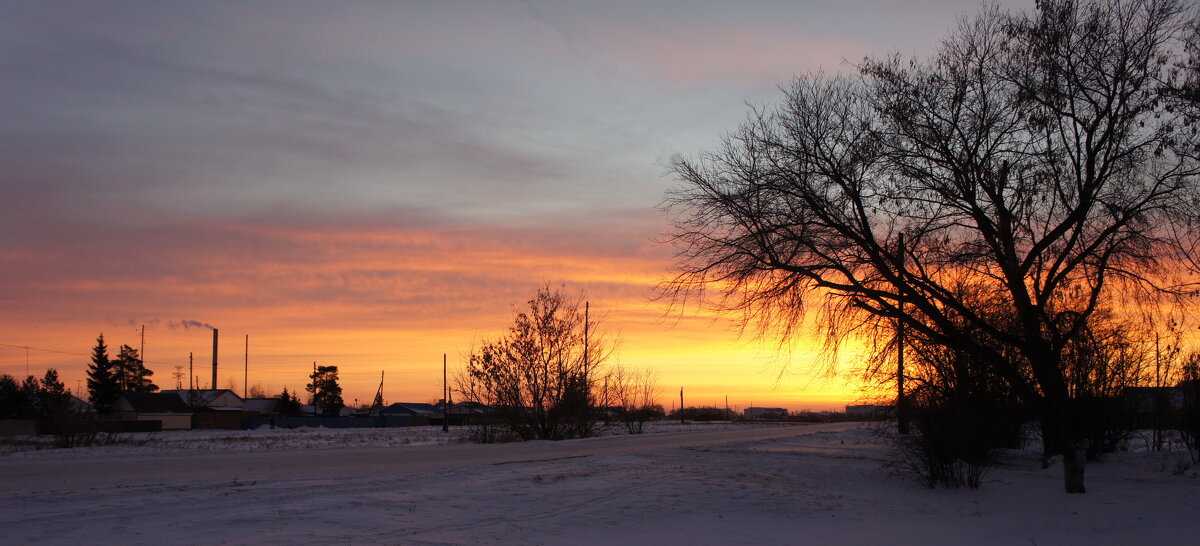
(634, 394)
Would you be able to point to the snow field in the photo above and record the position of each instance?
(819, 484)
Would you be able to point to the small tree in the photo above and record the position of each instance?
(54, 401)
(258, 391)
(12, 402)
(634, 394)
(102, 381)
(132, 374)
(289, 404)
(325, 392)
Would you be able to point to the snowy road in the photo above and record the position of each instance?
(824, 484)
(75, 474)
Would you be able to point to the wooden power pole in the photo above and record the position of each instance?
(445, 398)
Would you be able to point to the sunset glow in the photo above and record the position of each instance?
(376, 187)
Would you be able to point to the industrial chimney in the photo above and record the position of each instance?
(214, 381)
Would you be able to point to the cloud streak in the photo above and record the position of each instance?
(378, 184)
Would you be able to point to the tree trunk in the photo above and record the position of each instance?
(1059, 438)
(1073, 462)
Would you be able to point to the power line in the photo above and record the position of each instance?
(343, 373)
(27, 348)
(44, 350)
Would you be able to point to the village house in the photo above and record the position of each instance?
(214, 408)
(163, 407)
(765, 413)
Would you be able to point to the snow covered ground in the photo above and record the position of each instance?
(700, 484)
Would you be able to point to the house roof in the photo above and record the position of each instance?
(151, 402)
(80, 405)
(261, 405)
(409, 408)
(203, 397)
(468, 408)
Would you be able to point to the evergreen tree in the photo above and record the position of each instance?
(10, 397)
(102, 381)
(132, 374)
(325, 391)
(54, 400)
(30, 398)
(289, 404)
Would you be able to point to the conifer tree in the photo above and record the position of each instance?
(289, 404)
(53, 398)
(102, 381)
(132, 374)
(325, 391)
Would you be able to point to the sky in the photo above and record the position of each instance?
(375, 184)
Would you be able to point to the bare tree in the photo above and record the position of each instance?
(542, 380)
(1038, 162)
(635, 395)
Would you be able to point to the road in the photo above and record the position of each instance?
(28, 475)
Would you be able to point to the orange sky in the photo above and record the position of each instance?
(372, 187)
(395, 300)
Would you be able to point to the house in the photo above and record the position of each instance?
(765, 413)
(165, 408)
(78, 405)
(470, 409)
(1141, 400)
(420, 414)
(869, 411)
(410, 408)
(260, 406)
(214, 408)
(213, 399)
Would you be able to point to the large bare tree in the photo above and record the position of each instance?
(1040, 167)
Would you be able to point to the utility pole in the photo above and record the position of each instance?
(587, 386)
(681, 405)
(191, 383)
(445, 398)
(142, 347)
(246, 377)
(901, 410)
(214, 367)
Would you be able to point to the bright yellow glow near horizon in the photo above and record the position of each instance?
(394, 302)
(700, 355)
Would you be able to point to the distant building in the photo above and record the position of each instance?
(214, 408)
(260, 406)
(79, 405)
(1152, 399)
(869, 411)
(412, 408)
(213, 399)
(765, 413)
(165, 408)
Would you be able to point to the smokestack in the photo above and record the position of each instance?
(214, 381)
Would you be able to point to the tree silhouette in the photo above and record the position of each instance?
(289, 404)
(325, 391)
(544, 377)
(132, 375)
(102, 381)
(991, 199)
